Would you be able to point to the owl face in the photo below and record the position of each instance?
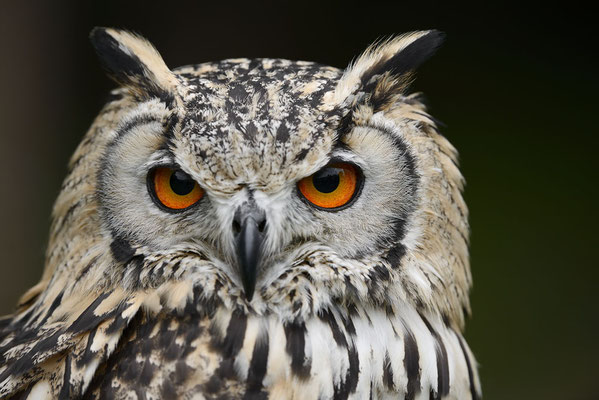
(273, 185)
(260, 140)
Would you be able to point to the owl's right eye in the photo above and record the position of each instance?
(173, 189)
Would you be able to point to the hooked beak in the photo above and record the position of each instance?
(249, 224)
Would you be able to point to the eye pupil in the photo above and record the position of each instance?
(181, 183)
(326, 180)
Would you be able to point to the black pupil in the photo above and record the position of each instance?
(181, 183)
(326, 180)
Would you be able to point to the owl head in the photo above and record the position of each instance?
(265, 185)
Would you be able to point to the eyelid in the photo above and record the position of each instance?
(160, 160)
(345, 156)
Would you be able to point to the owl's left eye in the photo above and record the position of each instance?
(333, 187)
(173, 189)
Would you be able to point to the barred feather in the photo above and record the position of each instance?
(356, 352)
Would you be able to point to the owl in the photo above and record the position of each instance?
(252, 229)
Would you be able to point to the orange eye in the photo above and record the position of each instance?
(332, 187)
(174, 189)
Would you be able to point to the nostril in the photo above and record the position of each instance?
(262, 226)
(236, 227)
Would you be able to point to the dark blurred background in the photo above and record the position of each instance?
(515, 85)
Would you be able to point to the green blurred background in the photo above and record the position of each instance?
(515, 85)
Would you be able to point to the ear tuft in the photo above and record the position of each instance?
(408, 58)
(386, 69)
(133, 62)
